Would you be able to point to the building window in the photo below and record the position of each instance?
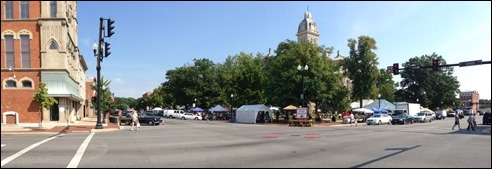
(24, 9)
(11, 84)
(25, 51)
(53, 45)
(9, 50)
(26, 84)
(53, 9)
(9, 9)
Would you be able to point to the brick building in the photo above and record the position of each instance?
(40, 44)
(469, 100)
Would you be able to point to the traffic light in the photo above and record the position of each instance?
(106, 49)
(396, 69)
(110, 27)
(435, 65)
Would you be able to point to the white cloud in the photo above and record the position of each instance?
(118, 81)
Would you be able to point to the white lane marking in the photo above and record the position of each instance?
(80, 152)
(12, 157)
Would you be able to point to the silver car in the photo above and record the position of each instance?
(379, 119)
(423, 117)
(191, 116)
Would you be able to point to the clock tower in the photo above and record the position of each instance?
(308, 30)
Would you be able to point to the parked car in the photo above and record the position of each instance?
(440, 116)
(191, 116)
(468, 112)
(402, 119)
(143, 118)
(126, 118)
(486, 118)
(379, 119)
(423, 117)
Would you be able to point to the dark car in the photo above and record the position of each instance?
(126, 118)
(440, 116)
(486, 118)
(402, 119)
(143, 118)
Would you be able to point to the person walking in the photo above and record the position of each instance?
(351, 119)
(135, 120)
(456, 121)
(470, 123)
(356, 118)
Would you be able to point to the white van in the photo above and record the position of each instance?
(173, 113)
(158, 111)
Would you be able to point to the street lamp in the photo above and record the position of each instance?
(379, 100)
(233, 116)
(98, 54)
(12, 69)
(299, 67)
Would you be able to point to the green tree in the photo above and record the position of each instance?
(361, 67)
(43, 100)
(432, 88)
(385, 85)
(106, 103)
(248, 79)
(322, 82)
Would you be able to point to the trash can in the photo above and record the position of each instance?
(113, 119)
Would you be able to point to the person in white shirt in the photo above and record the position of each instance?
(135, 120)
(352, 119)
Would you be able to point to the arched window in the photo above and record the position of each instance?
(26, 84)
(10, 84)
(53, 45)
(25, 51)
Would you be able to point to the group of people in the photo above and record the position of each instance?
(472, 122)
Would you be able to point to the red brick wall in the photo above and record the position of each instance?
(21, 100)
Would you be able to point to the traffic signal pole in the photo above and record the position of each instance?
(98, 68)
(396, 70)
(100, 56)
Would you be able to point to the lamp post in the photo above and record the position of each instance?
(300, 68)
(233, 115)
(98, 54)
(12, 69)
(379, 100)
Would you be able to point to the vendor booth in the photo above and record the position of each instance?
(252, 113)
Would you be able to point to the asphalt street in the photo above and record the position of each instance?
(189, 143)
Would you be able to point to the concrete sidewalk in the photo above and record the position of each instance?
(86, 125)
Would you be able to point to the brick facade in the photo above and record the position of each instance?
(46, 65)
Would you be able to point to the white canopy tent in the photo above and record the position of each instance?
(364, 110)
(249, 113)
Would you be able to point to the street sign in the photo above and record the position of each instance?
(389, 69)
(471, 63)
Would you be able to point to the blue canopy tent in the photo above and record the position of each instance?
(378, 110)
(382, 104)
(197, 109)
(218, 108)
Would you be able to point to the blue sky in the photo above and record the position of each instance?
(153, 37)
